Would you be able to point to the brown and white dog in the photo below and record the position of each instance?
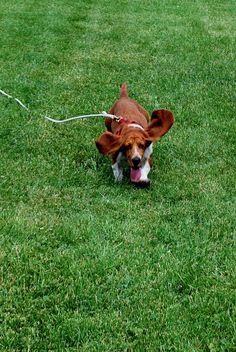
(132, 137)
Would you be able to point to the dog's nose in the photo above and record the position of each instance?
(136, 161)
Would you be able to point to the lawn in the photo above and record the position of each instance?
(87, 264)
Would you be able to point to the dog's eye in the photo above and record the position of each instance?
(128, 146)
(141, 146)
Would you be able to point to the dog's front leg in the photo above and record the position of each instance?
(116, 168)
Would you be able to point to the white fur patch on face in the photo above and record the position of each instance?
(145, 169)
(148, 152)
(136, 153)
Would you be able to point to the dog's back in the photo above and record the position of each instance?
(128, 109)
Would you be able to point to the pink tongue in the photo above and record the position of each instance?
(135, 174)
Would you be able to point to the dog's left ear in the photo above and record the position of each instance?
(108, 143)
(161, 121)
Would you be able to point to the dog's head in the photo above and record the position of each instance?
(135, 141)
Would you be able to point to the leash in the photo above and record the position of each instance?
(17, 100)
(104, 114)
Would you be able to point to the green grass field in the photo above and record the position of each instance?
(89, 265)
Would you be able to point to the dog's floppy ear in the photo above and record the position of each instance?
(108, 143)
(162, 120)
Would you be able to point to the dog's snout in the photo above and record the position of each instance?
(136, 160)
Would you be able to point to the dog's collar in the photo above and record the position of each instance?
(124, 121)
(135, 125)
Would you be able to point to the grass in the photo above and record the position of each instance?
(87, 265)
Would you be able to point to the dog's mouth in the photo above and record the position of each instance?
(135, 174)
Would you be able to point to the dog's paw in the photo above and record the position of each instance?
(119, 177)
(117, 172)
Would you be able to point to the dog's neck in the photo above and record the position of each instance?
(127, 125)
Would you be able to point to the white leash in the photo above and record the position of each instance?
(103, 114)
(17, 100)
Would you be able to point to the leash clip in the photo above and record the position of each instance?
(120, 119)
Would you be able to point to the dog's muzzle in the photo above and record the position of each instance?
(136, 162)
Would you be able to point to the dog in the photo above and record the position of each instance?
(132, 137)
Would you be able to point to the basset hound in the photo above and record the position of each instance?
(132, 137)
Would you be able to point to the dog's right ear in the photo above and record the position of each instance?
(108, 143)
